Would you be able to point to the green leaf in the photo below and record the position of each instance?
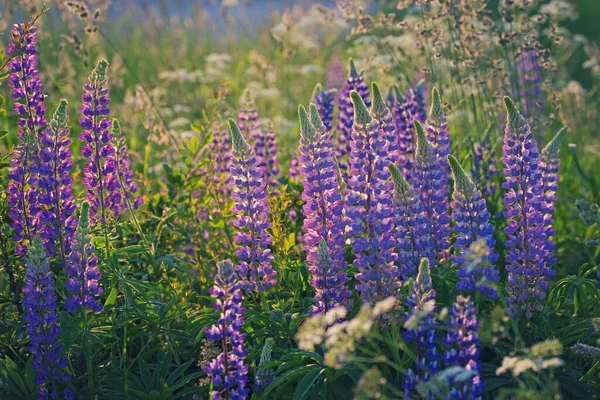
(112, 298)
(306, 384)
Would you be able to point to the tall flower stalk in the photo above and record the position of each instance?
(43, 324)
(23, 189)
(324, 225)
(123, 172)
(56, 182)
(228, 370)
(527, 245)
(430, 183)
(356, 82)
(82, 269)
(252, 209)
(103, 193)
(550, 169)
(438, 133)
(370, 226)
(421, 327)
(325, 102)
(413, 241)
(472, 223)
(262, 138)
(463, 348)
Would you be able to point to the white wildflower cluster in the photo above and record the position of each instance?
(540, 357)
(311, 29)
(340, 337)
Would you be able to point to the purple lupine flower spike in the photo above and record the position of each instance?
(228, 370)
(271, 160)
(123, 172)
(421, 329)
(463, 348)
(528, 272)
(530, 86)
(264, 148)
(324, 100)
(438, 134)
(472, 223)
(252, 221)
(345, 117)
(42, 324)
(82, 269)
(220, 153)
(23, 188)
(369, 213)
(323, 225)
(56, 183)
(550, 169)
(430, 183)
(413, 240)
(335, 74)
(416, 98)
(484, 166)
(99, 179)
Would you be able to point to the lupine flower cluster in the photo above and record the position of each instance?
(271, 160)
(370, 226)
(220, 153)
(484, 166)
(406, 109)
(252, 209)
(345, 116)
(82, 269)
(123, 172)
(324, 225)
(438, 134)
(463, 347)
(324, 100)
(527, 245)
(228, 370)
(550, 169)
(472, 223)
(103, 192)
(262, 138)
(42, 324)
(23, 189)
(56, 183)
(421, 330)
(430, 183)
(530, 85)
(413, 241)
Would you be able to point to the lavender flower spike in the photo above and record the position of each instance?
(123, 172)
(413, 240)
(345, 117)
(99, 179)
(528, 273)
(56, 183)
(82, 269)
(437, 130)
(463, 348)
(228, 370)
(42, 324)
(252, 211)
(323, 208)
(22, 190)
(430, 184)
(324, 100)
(549, 167)
(472, 223)
(369, 213)
(421, 329)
